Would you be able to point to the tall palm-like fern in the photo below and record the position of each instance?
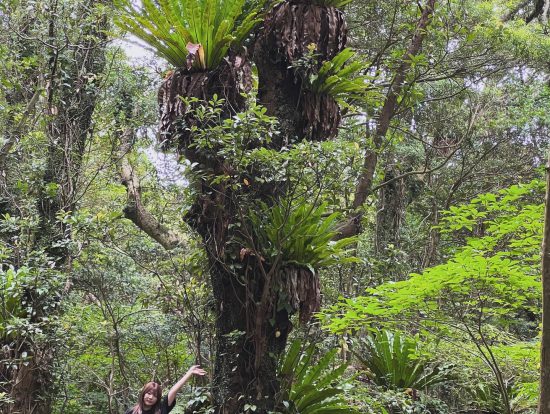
(312, 388)
(174, 29)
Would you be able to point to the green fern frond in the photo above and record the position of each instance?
(168, 26)
(313, 388)
(301, 234)
(341, 79)
(391, 359)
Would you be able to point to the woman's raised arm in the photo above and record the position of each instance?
(194, 370)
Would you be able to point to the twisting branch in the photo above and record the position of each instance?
(539, 9)
(364, 182)
(514, 11)
(134, 210)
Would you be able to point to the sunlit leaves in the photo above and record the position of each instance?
(488, 277)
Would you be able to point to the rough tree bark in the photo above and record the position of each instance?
(251, 329)
(544, 394)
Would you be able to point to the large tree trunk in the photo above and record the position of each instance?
(289, 29)
(254, 299)
(544, 393)
(247, 366)
(251, 329)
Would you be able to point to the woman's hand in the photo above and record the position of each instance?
(195, 370)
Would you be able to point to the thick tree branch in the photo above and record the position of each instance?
(364, 182)
(539, 10)
(134, 210)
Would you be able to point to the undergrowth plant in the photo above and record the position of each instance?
(392, 362)
(311, 386)
(174, 29)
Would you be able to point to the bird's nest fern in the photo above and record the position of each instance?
(196, 34)
(341, 79)
(301, 234)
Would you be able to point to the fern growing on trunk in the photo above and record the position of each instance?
(175, 29)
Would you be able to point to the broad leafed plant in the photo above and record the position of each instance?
(302, 235)
(196, 34)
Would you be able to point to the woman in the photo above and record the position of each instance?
(151, 400)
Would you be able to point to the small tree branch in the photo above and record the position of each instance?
(424, 171)
(134, 210)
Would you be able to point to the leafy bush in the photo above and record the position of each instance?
(177, 28)
(312, 388)
(392, 361)
(301, 234)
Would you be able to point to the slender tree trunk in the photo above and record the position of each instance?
(391, 212)
(544, 395)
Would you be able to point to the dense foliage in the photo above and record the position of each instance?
(417, 229)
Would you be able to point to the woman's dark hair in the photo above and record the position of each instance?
(154, 389)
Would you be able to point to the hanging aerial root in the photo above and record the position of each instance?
(303, 290)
